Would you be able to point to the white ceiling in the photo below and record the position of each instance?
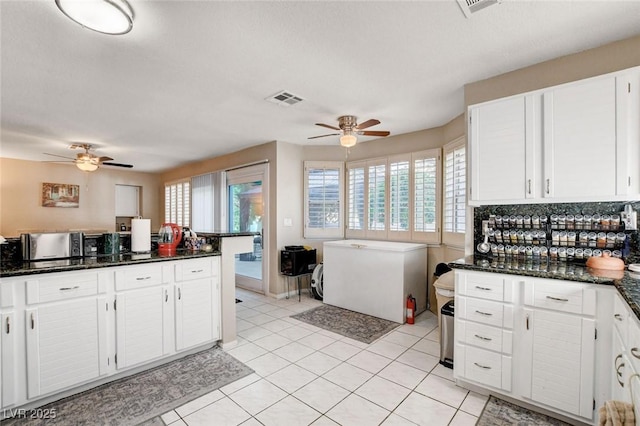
(189, 81)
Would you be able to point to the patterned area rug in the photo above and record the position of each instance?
(142, 397)
(357, 326)
(498, 413)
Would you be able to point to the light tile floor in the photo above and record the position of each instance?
(305, 375)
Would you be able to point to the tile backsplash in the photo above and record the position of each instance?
(632, 246)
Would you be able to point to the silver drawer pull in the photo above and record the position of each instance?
(635, 352)
(8, 326)
(483, 288)
(486, 367)
(69, 288)
(487, 314)
(196, 271)
(618, 317)
(557, 299)
(487, 339)
(33, 321)
(143, 278)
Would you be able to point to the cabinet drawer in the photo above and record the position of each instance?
(193, 269)
(482, 366)
(481, 285)
(132, 277)
(484, 311)
(484, 336)
(63, 287)
(560, 296)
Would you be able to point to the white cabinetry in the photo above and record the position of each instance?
(567, 143)
(144, 314)
(484, 329)
(7, 346)
(197, 301)
(66, 331)
(127, 201)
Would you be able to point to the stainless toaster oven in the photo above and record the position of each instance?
(51, 245)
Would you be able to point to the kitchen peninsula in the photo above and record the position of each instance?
(73, 324)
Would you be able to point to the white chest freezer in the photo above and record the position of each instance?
(375, 277)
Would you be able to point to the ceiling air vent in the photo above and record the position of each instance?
(470, 7)
(284, 98)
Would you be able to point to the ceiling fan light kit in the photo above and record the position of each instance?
(349, 128)
(86, 161)
(86, 166)
(114, 17)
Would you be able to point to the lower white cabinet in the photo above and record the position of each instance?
(59, 331)
(528, 338)
(66, 344)
(143, 325)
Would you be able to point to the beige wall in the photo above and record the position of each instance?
(20, 202)
(611, 57)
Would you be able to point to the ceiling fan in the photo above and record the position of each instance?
(86, 161)
(349, 128)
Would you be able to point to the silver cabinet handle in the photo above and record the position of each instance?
(69, 288)
(635, 352)
(527, 322)
(8, 326)
(557, 299)
(33, 321)
(548, 183)
(483, 288)
(142, 278)
(529, 185)
(196, 271)
(166, 296)
(618, 317)
(618, 367)
(179, 293)
(486, 367)
(486, 339)
(488, 314)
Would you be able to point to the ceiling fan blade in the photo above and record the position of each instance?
(58, 161)
(374, 133)
(367, 123)
(128, 166)
(323, 136)
(61, 156)
(101, 159)
(327, 126)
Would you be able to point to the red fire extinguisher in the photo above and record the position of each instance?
(411, 309)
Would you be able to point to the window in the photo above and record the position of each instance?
(177, 203)
(396, 197)
(323, 195)
(202, 203)
(455, 190)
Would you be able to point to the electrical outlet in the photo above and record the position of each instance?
(630, 220)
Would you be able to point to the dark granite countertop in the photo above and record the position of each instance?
(13, 269)
(627, 283)
(228, 234)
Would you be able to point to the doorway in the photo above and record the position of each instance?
(247, 201)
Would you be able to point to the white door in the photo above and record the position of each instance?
(7, 358)
(247, 209)
(196, 313)
(143, 325)
(499, 150)
(580, 140)
(66, 344)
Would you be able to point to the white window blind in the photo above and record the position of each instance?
(177, 203)
(356, 192)
(455, 189)
(425, 200)
(202, 204)
(323, 199)
(399, 196)
(377, 195)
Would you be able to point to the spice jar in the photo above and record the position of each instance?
(571, 239)
(602, 240)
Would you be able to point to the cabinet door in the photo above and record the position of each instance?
(502, 150)
(66, 344)
(561, 355)
(580, 140)
(7, 359)
(620, 368)
(143, 325)
(197, 312)
(127, 200)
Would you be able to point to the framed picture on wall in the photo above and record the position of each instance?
(60, 195)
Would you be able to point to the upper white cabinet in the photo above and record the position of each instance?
(127, 201)
(570, 143)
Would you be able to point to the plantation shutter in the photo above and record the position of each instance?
(323, 199)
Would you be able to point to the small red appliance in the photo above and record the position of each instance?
(169, 237)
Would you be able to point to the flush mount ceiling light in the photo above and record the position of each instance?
(348, 139)
(104, 16)
(87, 165)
